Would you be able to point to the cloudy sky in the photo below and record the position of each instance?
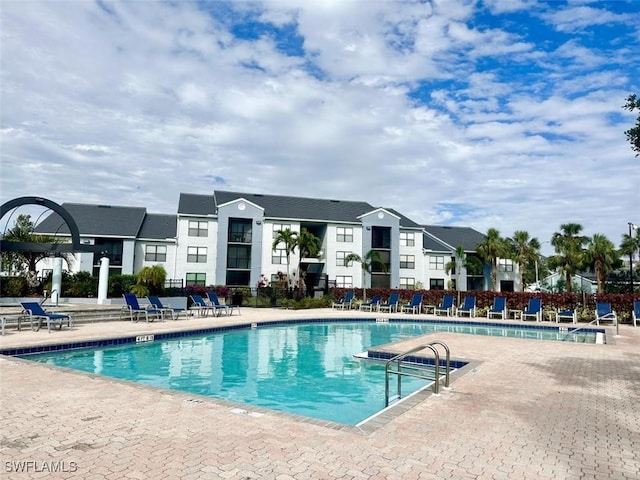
(500, 113)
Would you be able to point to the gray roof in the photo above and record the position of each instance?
(192, 204)
(455, 237)
(157, 226)
(285, 207)
(96, 221)
(430, 243)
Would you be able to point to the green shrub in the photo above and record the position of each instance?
(13, 286)
(120, 284)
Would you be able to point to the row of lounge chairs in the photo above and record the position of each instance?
(533, 311)
(155, 309)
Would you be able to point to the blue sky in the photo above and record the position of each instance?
(501, 113)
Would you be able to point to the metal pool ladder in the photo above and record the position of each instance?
(415, 369)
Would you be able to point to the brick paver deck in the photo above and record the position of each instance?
(527, 409)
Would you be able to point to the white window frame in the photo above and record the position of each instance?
(408, 283)
(408, 260)
(196, 254)
(277, 227)
(407, 239)
(436, 262)
(198, 282)
(340, 256)
(505, 265)
(279, 256)
(196, 228)
(344, 281)
(344, 234)
(155, 253)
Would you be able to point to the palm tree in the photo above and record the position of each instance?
(371, 259)
(524, 251)
(289, 239)
(570, 252)
(152, 278)
(630, 244)
(455, 265)
(493, 247)
(308, 246)
(601, 254)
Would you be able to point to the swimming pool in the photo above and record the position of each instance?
(303, 368)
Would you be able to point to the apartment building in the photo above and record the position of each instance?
(226, 238)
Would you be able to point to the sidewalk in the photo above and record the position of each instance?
(527, 409)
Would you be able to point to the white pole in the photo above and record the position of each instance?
(56, 280)
(103, 281)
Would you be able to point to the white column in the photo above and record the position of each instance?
(103, 281)
(56, 280)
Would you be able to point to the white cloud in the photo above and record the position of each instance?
(146, 100)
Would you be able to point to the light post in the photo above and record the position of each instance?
(631, 251)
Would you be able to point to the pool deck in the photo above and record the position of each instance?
(523, 409)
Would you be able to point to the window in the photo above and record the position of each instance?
(277, 227)
(196, 279)
(407, 261)
(407, 239)
(408, 283)
(156, 253)
(239, 257)
(279, 256)
(385, 258)
(436, 262)
(344, 281)
(198, 229)
(505, 265)
(381, 237)
(239, 230)
(344, 234)
(436, 283)
(340, 256)
(196, 254)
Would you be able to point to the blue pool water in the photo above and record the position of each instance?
(306, 369)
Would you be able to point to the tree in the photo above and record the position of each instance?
(371, 259)
(152, 278)
(630, 244)
(459, 261)
(524, 250)
(633, 134)
(25, 262)
(289, 239)
(569, 257)
(492, 248)
(601, 254)
(308, 246)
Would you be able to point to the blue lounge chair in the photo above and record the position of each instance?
(344, 302)
(134, 310)
(534, 309)
(35, 312)
(566, 315)
(446, 306)
(415, 305)
(636, 312)
(218, 307)
(374, 303)
(200, 306)
(605, 312)
(391, 304)
(468, 307)
(155, 302)
(499, 308)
